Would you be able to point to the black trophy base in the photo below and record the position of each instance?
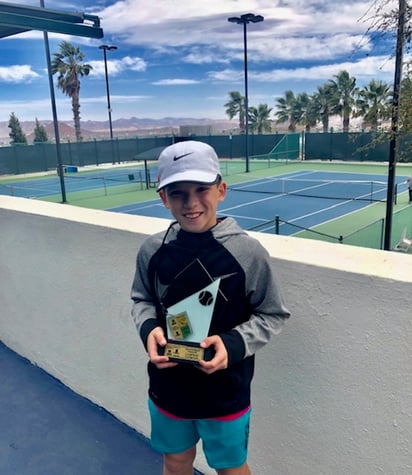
(188, 352)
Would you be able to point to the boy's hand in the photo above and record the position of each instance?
(220, 360)
(155, 339)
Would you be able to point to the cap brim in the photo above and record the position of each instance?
(206, 178)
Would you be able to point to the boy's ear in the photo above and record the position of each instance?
(222, 190)
(163, 197)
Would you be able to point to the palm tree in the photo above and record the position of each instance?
(321, 103)
(373, 103)
(306, 113)
(405, 108)
(259, 118)
(405, 117)
(236, 106)
(343, 90)
(287, 110)
(68, 65)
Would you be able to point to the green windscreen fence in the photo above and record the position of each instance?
(372, 235)
(42, 157)
(268, 149)
(401, 220)
(288, 147)
(353, 146)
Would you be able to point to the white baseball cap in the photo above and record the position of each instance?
(187, 161)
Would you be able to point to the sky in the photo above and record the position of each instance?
(181, 58)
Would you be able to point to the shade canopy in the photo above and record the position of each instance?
(16, 19)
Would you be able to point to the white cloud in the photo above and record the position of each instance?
(114, 98)
(227, 75)
(134, 64)
(175, 82)
(17, 74)
(117, 66)
(172, 23)
(364, 70)
(203, 56)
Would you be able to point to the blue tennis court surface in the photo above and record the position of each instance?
(75, 182)
(304, 198)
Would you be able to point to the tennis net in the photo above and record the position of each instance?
(365, 190)
(116, 175)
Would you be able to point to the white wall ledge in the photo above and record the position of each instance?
(384, 264)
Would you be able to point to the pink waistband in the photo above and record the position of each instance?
(230, 417)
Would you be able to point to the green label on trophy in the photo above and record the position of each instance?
(179, 326)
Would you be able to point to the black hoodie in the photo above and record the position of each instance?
(248, 310)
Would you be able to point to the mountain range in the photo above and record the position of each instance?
(123, 128)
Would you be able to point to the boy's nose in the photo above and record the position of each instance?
(191, 200)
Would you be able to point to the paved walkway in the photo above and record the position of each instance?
(47, 429)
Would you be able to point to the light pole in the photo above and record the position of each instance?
(244, 20)
(394, 142)
(106, 48)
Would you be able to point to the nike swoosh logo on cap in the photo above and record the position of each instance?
(178, 157)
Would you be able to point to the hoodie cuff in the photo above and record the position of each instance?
(235, 346)
(146, 328)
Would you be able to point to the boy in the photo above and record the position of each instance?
(209, 400)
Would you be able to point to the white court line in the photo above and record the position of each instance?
(136, 207)
(321, 210)
(237, 216)
(274, 178)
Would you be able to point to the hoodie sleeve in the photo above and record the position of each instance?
(268, 311)
(143, 309)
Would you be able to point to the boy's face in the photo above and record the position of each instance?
(194, 205)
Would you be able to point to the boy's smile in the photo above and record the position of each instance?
(194, 205)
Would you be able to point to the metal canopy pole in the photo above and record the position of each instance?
(54, 112)
(106, 48)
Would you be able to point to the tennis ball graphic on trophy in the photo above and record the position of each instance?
(206, 298)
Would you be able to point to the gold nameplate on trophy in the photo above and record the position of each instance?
(184, 353)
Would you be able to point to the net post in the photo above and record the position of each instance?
(146, 174)
(277, 220)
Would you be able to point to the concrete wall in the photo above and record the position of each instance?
(332, 393)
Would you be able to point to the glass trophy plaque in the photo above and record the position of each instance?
(188, 323)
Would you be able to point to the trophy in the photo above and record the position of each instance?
(188, 323)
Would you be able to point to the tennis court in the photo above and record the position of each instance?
(103, 181)
(307, 198)
(318, 200)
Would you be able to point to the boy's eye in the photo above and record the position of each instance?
(175, 194)
(181, 194)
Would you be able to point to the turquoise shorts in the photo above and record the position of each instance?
(225, 443)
